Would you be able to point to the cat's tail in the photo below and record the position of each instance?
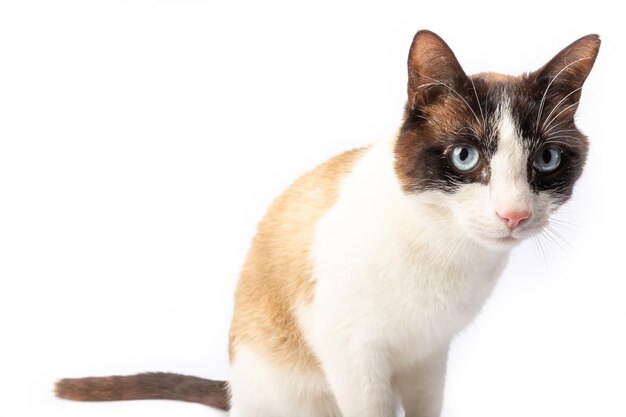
(148, 386)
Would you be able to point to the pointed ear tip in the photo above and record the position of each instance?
(593, 40)
(425, 33)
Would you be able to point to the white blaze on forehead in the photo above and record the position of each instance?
(509, 184)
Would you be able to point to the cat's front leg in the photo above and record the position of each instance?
(421, 385)
(360, 381)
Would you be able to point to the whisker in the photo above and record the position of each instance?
(542, 250)
(480, 107)
(420, 87)
(558, 132)
(555, 126)
(470, 129)
(558, 104)
(564, 222)
(553, 240)
(561, 137)
(559, 236)
(563, 131)
(566, 226)
(562, 111)
(558, 142)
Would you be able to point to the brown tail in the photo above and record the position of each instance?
(149, 386)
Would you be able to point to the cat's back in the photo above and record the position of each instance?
(277, 272)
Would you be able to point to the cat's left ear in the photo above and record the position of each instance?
(563, 76)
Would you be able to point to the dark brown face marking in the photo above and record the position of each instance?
(446, 108)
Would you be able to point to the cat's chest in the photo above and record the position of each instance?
(428, 306)
(415, 297)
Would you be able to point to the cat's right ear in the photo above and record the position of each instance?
(433, 69)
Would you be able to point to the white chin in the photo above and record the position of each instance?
(498, 243)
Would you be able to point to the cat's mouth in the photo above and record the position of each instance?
(507, 239)
(503, 241)
(514, 237)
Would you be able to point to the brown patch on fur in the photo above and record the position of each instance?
(276, 275)
(442, 111)
(149, 386)
(446, 108)
(494, 77)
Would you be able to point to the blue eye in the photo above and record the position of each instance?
(465, 157)
(547, 159)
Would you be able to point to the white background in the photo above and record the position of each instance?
(141, 141)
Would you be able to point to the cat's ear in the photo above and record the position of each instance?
(563, 76)
(433, 69)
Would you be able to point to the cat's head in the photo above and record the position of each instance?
(498, 153)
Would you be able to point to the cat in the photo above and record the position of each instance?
(363, 270)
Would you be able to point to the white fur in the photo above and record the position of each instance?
(396, 277)
(259, 389)
(509, 184)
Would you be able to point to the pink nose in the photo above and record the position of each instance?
(513, 218)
